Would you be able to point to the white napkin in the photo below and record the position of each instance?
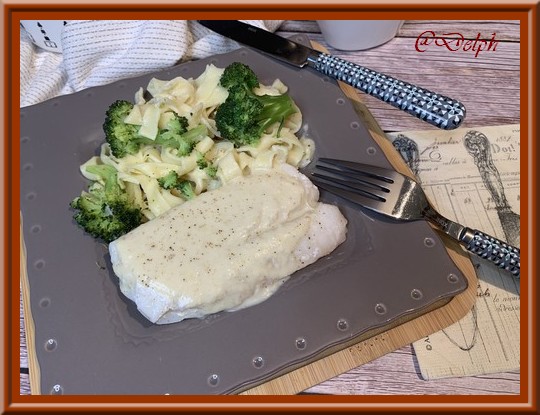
(98, 52)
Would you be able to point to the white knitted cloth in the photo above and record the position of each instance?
(98, 52)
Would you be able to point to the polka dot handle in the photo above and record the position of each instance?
(500, 253)
(435, 109)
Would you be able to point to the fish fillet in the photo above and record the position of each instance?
(228, 248)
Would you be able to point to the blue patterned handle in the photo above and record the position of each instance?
(500, 253)
(438, 110)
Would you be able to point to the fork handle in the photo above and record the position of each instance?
(435, 109)
(492, 249)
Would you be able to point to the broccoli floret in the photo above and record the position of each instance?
(105, 211)
(187, 190)
(173, 181)
(244, 116)
(177, 135)
(210, 170)
(169, 181)
(202, 163)
(123, 138)
(176, 126)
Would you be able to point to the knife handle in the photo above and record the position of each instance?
(488, 247)
(438, 110)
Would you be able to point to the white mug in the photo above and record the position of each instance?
(358, 34)
(47, 34)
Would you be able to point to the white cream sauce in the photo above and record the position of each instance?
(227, 249)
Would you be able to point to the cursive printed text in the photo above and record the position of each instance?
(455, 42)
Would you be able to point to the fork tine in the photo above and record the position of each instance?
(354, 196)
(364, 182)
(350, 184)
(378, 173)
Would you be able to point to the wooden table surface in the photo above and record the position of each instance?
(488, 85)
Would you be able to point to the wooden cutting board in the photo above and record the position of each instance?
(375, 345)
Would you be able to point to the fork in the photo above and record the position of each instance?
(396, 195)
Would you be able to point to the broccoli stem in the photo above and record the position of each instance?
(185, 142)
(276, 108)
(109, 175)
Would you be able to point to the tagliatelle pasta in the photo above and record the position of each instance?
(197, 100)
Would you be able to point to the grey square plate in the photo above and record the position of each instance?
(91, 340)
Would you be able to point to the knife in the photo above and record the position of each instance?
(435, 109)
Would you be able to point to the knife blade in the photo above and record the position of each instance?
(436, 109)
